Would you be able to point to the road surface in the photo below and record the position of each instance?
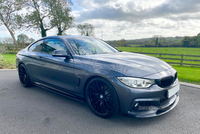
(38, 111)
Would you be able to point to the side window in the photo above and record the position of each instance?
(52, 44)
(36, 47)
(82, 47)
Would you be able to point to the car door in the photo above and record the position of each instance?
(56, 71)
(34, 52)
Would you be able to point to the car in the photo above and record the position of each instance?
(109, 80)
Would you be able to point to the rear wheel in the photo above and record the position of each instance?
(102, 98)
(24, 76)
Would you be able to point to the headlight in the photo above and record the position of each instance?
(136, 82)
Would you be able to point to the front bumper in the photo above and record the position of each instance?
(144, 103)
(155, 110)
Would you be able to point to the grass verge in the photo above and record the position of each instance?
(9, 61)
(188, 74)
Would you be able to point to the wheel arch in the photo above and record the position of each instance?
(103, 77)
(20, 64)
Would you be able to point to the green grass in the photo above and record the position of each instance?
(188, 74)
(168, 50)
(9, 61)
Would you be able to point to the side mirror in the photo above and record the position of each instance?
(60, 53)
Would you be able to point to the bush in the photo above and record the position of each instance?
(1, 61)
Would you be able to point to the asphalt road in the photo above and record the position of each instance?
(36, 110)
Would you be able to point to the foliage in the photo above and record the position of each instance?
(47, 14)
(6, 41)
(148, 42)
(60, 14)
(8, 11)
(198, 39)
(86, 29)
(122, 43)
(23, 39)
(190, 41)
(158, 39)
(37, 18)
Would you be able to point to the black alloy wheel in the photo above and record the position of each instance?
(24, 76)
(102, 98)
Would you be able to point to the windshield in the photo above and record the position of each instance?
(88, 46)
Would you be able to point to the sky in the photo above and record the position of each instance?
(132, 19)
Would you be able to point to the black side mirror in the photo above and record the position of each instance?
(60, 53)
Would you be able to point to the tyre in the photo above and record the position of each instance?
(24, 76)
(102, 98)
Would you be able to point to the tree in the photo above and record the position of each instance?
(24, 39)
(31, 40)
(186, 41)
(8, 11)
(36, 18)
(7, 41)
(123, 42)
(86, 29)
(198, 39)
(60, 14)
(158, 40)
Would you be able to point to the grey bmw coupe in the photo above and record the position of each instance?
(109, 81)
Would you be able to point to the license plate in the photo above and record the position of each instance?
(173, 90)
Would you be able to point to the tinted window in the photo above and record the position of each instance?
(52, 44)
(36, 47)
(87, 46)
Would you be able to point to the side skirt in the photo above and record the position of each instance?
(55, 90)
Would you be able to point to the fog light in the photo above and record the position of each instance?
(136, 104)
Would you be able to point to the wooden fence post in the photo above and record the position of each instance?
(160, 55)
(181, 59)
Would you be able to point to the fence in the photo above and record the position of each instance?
(181, 59)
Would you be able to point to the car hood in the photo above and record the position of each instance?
(130, 64)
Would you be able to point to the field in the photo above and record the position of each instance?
(168, 50)
(185, 74)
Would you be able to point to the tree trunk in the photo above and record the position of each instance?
(43, 31)
(12, 34)
(59, 31)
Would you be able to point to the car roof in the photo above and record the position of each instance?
(67, 36)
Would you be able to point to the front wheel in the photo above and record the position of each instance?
(102, 98)
(24, 76)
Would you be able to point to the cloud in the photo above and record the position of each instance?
(133, 19)
(133, 12)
